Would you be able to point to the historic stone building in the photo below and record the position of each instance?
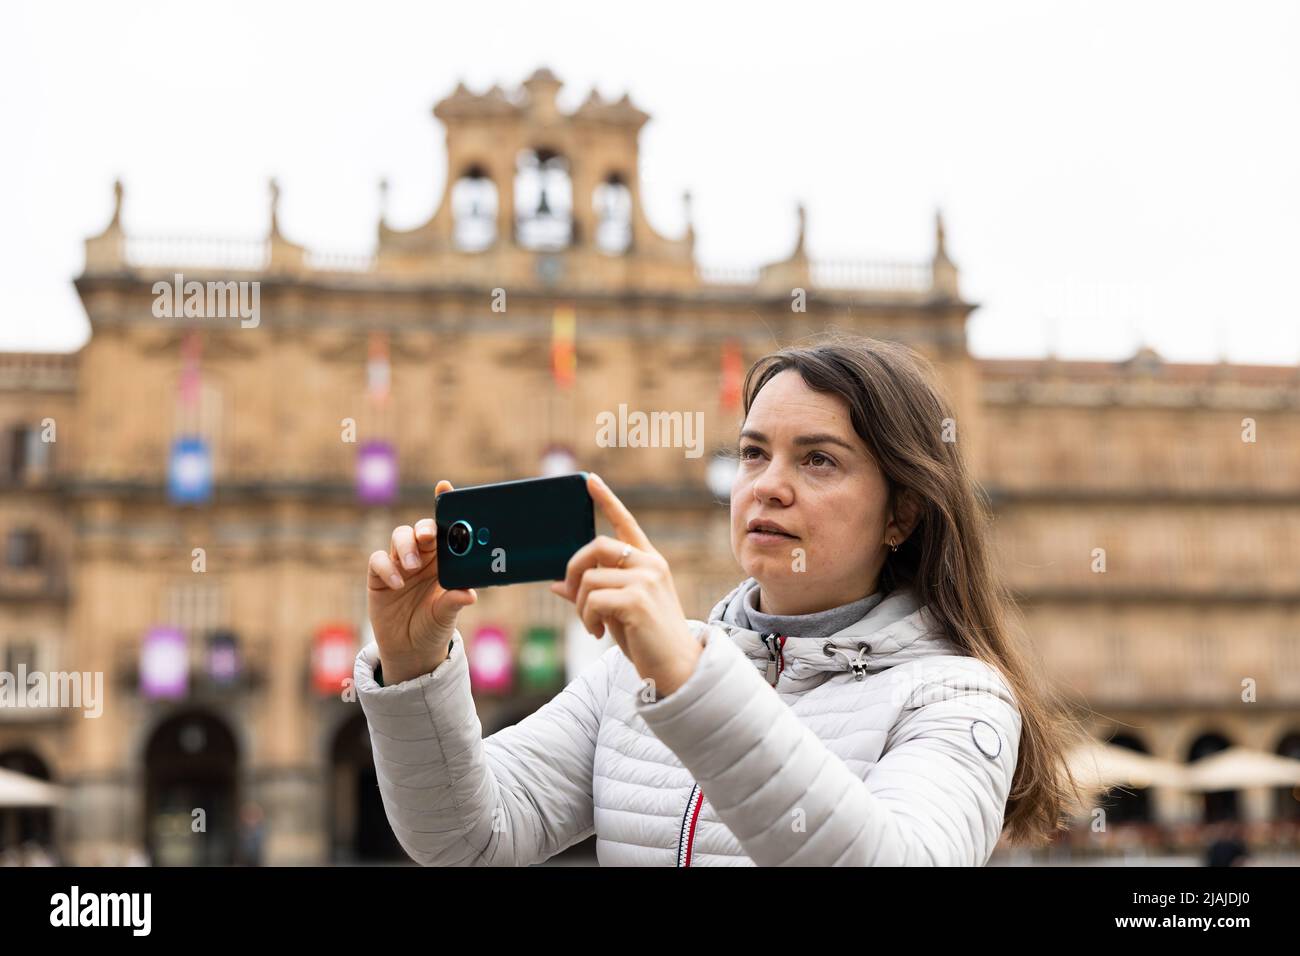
(482, 346)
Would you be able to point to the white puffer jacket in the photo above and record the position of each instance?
(878, 746)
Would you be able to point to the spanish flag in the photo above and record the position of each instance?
(564, 359)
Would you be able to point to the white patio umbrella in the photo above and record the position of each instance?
(20, 790)
(1102, 766)
(1239, 767)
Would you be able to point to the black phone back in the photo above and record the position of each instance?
(512, 531)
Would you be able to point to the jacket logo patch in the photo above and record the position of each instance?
(986, 738)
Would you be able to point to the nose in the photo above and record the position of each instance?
(773, 486)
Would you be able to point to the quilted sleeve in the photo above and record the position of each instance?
(937, 796)
(455, 798)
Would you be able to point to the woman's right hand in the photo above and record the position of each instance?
(413, 616)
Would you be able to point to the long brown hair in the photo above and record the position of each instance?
(902, 415)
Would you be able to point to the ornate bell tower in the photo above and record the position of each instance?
(534, 194)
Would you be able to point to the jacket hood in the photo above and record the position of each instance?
(895, 631)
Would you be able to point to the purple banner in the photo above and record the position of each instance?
(164, 663)
(376, 472)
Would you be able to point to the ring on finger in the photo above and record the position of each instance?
(627, 549)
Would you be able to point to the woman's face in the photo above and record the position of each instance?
(804, 468)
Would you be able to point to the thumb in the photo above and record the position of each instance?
(449, 604)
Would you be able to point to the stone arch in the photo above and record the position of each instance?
(1124, 805)
(22, 826)
(1221, 804)
(359, 830)
(612, 204)
(191, 763)
(474, 204)
(1286, 800)
(543, 194)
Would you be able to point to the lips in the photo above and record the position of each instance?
(764, 526)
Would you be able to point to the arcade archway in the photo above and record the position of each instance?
(359, 828)
(191, 778)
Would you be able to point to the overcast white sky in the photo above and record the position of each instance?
(1107, 170)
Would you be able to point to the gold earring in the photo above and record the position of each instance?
(892, 546)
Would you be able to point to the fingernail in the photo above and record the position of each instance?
(599, 480)
(395, 580)
(409, 560)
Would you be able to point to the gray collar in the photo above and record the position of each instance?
(744, 613)
(896, 629)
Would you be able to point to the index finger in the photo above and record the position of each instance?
(439, 488)
(625, 527)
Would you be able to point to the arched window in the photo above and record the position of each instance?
(25, 455)
(612, 201)
(474, 210)
(26, 832)
(23, 548)
(543, 200)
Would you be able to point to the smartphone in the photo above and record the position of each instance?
(512, 531)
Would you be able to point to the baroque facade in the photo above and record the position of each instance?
(1151, 542)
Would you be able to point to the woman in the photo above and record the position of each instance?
(858, 700)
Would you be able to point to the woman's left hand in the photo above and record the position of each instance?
(636, 601)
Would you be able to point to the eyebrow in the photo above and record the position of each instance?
(821, 438)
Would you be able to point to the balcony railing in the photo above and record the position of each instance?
(39, 371)
(197, 252)
(254, 255)
(728, 275)
(331, 261)
(41, 583)
(1136, 669)
(835, 274)
(912, 276)
(246, 255)
(254, 658)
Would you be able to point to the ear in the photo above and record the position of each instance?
(907, 511)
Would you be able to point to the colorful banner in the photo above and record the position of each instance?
(376, 472)
(376, 477)
(189, 472)
(558, 460)
(223, 657)
(733, 375)
(164, 664)
(333, 653)
(378, 371)
(189, 465)
(564, 358)
(540, 667)
(490, 665)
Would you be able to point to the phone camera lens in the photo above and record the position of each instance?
(459, 538)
